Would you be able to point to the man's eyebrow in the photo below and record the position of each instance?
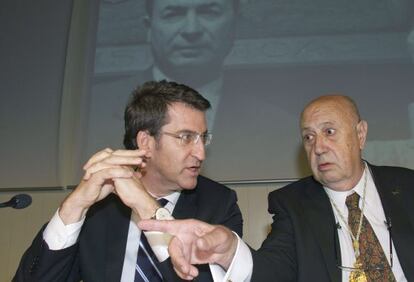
(187, 131)
(173, 7)
(323, 124)
(200, 6)
(209, 5)
(328, 123)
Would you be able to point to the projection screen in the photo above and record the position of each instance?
(282, 54)
(258, 62)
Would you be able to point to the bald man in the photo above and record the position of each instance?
(312, 238)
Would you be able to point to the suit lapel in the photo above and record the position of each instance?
(186, 206)
(391, 194)
(117, 225)
(322, 222)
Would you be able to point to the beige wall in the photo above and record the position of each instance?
(18, 227)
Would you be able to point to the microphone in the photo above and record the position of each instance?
(20, 201)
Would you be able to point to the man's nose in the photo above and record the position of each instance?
(199, 151)
(320, 145)
(192, 29)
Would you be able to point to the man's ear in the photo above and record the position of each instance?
(362, 130)
(144, 140)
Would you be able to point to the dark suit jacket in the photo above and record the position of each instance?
(99, 254)
(303, 244)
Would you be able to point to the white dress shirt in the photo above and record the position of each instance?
(374, 213)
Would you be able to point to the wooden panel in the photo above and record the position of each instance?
(253, 204)
(19, 227)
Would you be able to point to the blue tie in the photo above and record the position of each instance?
(146, 269)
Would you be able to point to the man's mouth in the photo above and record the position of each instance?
(324, 166)
(191, 51)
(194, 170)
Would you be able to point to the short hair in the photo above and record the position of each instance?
(148, 106)
(149, 4)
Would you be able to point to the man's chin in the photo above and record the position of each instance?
(188, 65)
(189, 184)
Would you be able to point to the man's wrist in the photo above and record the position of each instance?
(241, 266)
(70, 213)
(148, 210)
(162, 213)
(58, 235)
(227, 259)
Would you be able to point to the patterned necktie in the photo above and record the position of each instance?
(371, 253)
(146, 269)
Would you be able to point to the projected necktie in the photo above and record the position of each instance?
(146, 269)
(371, 253)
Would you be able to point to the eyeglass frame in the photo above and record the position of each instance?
(349, 268)
(194, 137)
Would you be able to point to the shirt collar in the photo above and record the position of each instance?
(172, 198)
(213, 86)
(210, 90)
(339, 197)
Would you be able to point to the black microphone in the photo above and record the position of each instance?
(20, 201)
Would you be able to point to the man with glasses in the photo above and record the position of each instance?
(94, 237)
(350, 221)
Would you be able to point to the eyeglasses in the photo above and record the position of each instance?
(365, 268)
(187, 138)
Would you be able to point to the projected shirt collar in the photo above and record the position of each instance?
(211, 91)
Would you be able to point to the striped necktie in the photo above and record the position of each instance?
(146, 269)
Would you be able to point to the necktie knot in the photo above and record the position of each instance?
(352, 201)
(162, 202)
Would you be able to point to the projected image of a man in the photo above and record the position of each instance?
(190, 39)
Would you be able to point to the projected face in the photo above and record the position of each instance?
(173, 164)
(191, 35)
(333, 139)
